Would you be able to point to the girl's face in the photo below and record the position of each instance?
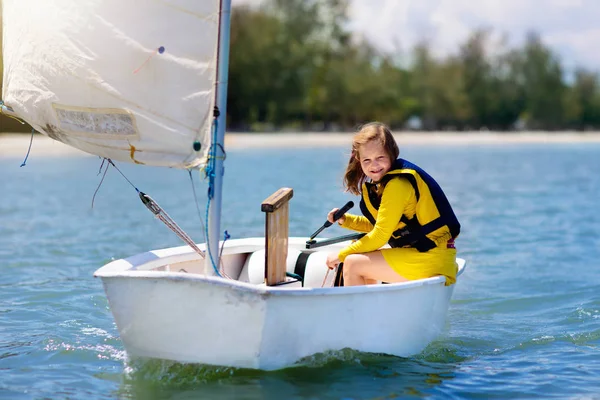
(374, 160)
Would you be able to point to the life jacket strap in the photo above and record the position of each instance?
(415, 234)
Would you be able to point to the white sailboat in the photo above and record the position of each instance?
(146, 82)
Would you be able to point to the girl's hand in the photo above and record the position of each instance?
(332, 261)
(330, 217)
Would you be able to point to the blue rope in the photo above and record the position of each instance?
(210, 173)
(209, 170)
(212, 260)
(28, 150)
(226, 236)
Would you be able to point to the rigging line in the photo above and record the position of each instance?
(122, 174)
(212, 261)
(221, 266)
(160, 213)
(101, 180)
(4, 106)
(224, 157)
(212, 157)
(326, 275)
(210, 174)
(204, 230)
(29, 149)
(12, 116)
(168, 221)
(196, 203)
(101, 166)
(211, 170)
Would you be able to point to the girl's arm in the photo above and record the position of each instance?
(357, 223)
(395, 195)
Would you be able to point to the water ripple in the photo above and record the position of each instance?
(524, 321)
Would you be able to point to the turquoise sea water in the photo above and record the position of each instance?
(524, 321)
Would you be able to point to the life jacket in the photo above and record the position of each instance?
(433, 218)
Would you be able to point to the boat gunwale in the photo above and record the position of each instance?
(268, 290)
(128, 268)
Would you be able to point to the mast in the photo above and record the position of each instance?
(214, 211)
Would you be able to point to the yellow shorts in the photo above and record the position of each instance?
(412, 264)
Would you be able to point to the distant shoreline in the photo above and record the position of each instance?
(16, 144)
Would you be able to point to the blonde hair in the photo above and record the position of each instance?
(354, 176)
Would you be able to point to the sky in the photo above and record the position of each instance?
(570, 27)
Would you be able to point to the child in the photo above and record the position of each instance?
(402, 206)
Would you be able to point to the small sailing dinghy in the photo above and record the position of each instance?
(146, 82)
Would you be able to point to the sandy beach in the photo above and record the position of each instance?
(16, 145)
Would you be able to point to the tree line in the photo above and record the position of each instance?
(294, 65)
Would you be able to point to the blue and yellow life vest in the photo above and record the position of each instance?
(434, 217)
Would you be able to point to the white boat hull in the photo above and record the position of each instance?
(189, 317)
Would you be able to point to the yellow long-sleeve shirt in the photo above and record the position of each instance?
(398, 198)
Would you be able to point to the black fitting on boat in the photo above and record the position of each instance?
(149, 203)
(312, 244)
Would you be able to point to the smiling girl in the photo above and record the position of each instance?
(403, 207)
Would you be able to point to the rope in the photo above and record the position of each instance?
(210, 174)
(123, 175)
(196, 203)
(19, 120)
(325, 279)
(168, 221)
(204, 230)
(160, 214)
(29, 149)
(221, 266)
(101, 180)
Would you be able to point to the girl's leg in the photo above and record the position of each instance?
(363, 269)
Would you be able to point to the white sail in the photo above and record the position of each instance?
(127, 80)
